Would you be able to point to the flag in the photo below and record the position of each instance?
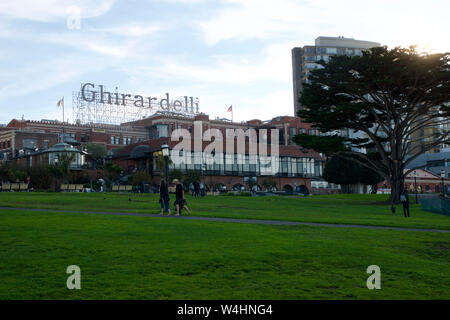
(230, 109)
(60, 102)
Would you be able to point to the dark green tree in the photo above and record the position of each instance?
(191, 176)
(175, 174)
(345, 172)
(390, 96)
(97, 153)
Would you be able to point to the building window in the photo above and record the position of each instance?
(281, 132)
(45, 144)
(112, 140)
(29, 143)
(292, 132)
(331, 50)
(162, 130)
(9, 143)
(117, 140)
(301, 131)
(312, 132)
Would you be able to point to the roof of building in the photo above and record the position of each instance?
(63, 147)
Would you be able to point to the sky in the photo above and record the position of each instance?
(225, 52)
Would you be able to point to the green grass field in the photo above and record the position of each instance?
(128, 257)
(348, 209)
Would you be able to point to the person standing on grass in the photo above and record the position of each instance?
(164, 198)
(180, 201)
(196, 188)
(191, 188)
(404, 198)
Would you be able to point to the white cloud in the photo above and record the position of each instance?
(51, 10)
(132, 30)
(273, 64)
(400, 22)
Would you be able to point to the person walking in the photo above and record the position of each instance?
(404, 198)
(202, 189)
(196, 188)
(164, 198)
(191, 188)
(180, 201)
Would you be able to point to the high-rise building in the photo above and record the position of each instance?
(304, 58)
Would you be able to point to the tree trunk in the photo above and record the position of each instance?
(397, 185)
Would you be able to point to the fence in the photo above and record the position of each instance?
(441, 206)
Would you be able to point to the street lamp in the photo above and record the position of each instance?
(443, 185)
(55, 161)
(415, 184)
(203, 172)
(165, 153)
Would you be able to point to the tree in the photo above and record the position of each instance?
(62, 167)
(141, 177)
(191, 176)
(175, 174)
(345, 172)
(269, 183)
(113, 170)
(161, 164)
(389, 96)
(97, 152)
(251, 182)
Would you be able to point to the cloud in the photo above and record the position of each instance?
(31, 78)
(132, 30)
(401, 22)
(52, 10)
(272, 64)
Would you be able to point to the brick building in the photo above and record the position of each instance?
(27, 135)
(299, 168)
(425, 181)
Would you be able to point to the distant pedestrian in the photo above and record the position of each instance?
(164, 198)
(202, 189)
(404, 198)
(180, 201)
(196, 188)
(191, 188)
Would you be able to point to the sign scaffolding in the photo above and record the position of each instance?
(93, 104)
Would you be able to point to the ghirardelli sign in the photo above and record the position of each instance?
(97, 94)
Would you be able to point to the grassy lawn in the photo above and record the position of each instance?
(349, 209)
(126, 257)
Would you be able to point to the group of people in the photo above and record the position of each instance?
(180, 200)
(197, 189)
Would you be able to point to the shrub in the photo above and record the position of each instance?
(140, 177)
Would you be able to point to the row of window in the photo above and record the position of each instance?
(238, 164)
(340, 51)
(437, 163)
(125, 140)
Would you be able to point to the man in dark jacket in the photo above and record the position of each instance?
(404, 198)
(180, 201)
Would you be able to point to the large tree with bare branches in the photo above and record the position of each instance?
(395, 102)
